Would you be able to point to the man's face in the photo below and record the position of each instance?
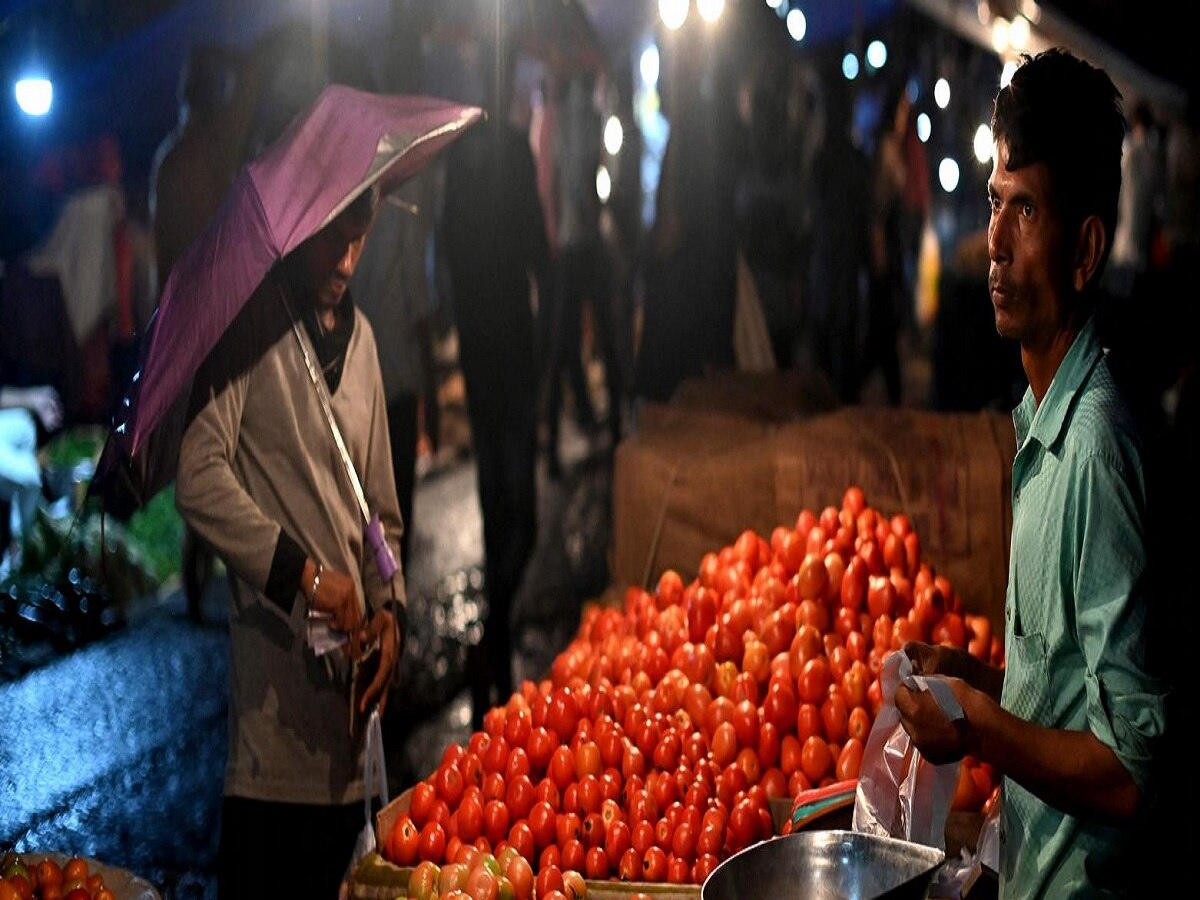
(1029, 277)
(328, 259)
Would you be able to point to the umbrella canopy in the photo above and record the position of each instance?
(348, 140)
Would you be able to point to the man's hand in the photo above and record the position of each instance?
(938, 739)
(336, 598)
(42, 401)
(384, 628)
(953, 662)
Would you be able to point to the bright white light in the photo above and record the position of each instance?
(774, 4)
(648, 65)
(941, 93)
(673, 12)
(1018, 33)
(876, 54)
(614, 135)
(710, 10)
(924, 127)
(797, 25)
(1006, 74)
(1000, 29)
(603, 184)
(34, 95)
(983, 143)
(1031, 11)
(850, 66)
(948, 174)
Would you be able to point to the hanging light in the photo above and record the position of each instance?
(603, 184)
(983, 143)
(614, 135)
(673, 13)
(850, 66)
(710, 10)
(1018, 33)
(877, 54)
(797, 25)
(941, 93)
(924, 127)
(948, 175)
(648, 66)
(35, 95)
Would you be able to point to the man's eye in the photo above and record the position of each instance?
(1027, 210)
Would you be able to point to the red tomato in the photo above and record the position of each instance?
(769, 742)
(548, 791)
(835, 716)
(542, 823)
(539, 745)
(568, 827)
(469, 820)
(774, 782)
(420, 805)
(592, 830)
(642, 837)
(432, 844)
(808, 722)
(814, 680)
(404, 842)
(496, 755)
(849, 760)
(595, 863)
(654, 864)
(562, 766)
(495, 821)
(519, 796)
(493, 786)
(858, 724)
(520, 873)
(572, 855)
(549, 878)
(745, 723)
(780, 706)
(518, 725)
(815, 759)
(618, 838)
(724, 744)
(520, 837)
(449, 784)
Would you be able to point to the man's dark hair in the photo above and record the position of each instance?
(1063, 112)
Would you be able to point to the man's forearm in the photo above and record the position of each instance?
(1073, 771)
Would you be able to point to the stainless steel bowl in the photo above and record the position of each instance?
(826, 865)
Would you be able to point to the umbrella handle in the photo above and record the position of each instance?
(385, 560)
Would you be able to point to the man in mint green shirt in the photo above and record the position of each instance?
(1074, 720)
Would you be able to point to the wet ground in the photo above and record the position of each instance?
(116, 750)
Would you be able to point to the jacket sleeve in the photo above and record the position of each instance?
(208, 494)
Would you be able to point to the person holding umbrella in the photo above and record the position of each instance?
(259, 392)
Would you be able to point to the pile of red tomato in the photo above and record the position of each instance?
(666, 727)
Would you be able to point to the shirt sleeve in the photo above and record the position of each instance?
(1125, 703)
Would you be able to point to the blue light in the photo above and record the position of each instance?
(850, 66)
(34, 95)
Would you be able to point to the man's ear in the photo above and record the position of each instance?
(1090, 246)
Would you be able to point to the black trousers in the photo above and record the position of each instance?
(284, 849)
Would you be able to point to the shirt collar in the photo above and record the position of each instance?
(1044, 423)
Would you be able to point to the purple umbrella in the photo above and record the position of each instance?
(345, 142)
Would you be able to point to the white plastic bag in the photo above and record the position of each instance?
(374, 785)
(900, 794)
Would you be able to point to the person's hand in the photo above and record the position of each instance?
(336, 598)
(384, 628)
(939, 739)
(43, 402)
(936, 659)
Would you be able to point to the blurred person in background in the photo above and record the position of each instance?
(192, 170)
(886, 286)
(577, 152)
(391, 287)
(839, 199)
(493, 237)
(1076, 719)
